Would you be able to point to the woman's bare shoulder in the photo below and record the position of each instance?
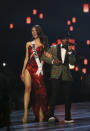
(28, 43)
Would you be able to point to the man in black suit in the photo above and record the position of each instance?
(61, 78)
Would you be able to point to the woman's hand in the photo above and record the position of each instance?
(22, 77)
(48, 55)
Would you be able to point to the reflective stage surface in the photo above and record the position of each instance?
(80, 113)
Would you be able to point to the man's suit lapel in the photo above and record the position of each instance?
(59, 52)
(66, 57)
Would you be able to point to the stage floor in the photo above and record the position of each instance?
(80, 113)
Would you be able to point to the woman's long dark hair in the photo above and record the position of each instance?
(43, 38)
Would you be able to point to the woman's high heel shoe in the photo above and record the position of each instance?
(25, 117)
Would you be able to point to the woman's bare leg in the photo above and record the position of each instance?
(27, 82)
(41, 115)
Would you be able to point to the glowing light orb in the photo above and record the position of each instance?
(71, 28)
(41, 16)
(58, 41)
(68, 22)
(76, 69)
(88, 42)
(11, 26)
(84, 70)
(73, 19)
(85, 7)
(85, 61)
(28, 20)
(34, 11)
(4, 64)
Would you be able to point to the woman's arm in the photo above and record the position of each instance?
(25, 61)
(49, 55)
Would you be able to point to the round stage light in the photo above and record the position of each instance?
(41, 15)
(71, 28)
(76, 68)
(68, 22)
(85, 61)
(88, 42)
(4, 64)
(11, 26)
(84, 70)
(34, 11)
(73, 19)
(86, 8)
(58, 41)
(28, 20)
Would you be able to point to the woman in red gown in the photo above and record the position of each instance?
(32, 73)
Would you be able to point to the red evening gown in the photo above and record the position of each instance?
(39, 89)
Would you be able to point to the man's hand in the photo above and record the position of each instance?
(69, 47)
(57, 62)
